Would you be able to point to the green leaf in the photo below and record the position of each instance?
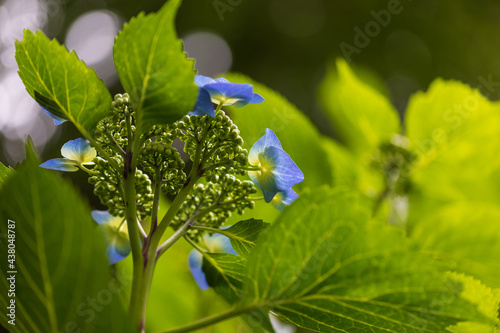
(5, 174)
(225, 272)
(60, 82)
(347, 170)
(244, 234)
(153, 68)
(489, 303)
(466, 234)
(63, 279)
(362, 116)
(323, 265)
(298, 136)
(453, 125)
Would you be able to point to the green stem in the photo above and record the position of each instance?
(156, 201)
(135, 244)
(130, 163)
(114, 144)
(213, 319)
(174, 238)
(88, 171)
(147, 280)
(193, 244)
(250, 168)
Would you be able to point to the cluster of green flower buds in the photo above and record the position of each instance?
(111, 132)
(395, 161)
(221, 141)
(211, 204)
(107, 186)
(163, 163)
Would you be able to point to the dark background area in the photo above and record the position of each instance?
(285, 44)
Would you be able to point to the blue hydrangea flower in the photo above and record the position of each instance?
(278, 172)
(216, 243)
(222, 91)
(115, 234)
(57, 120)
(76, 152)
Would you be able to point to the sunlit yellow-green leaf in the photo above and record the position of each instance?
(466, 234)
(362, 116)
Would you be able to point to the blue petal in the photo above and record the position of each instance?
(255, 99)
(201, 80)
(221, 91)
(61, 164)
(57, 120)
(78, 150)
(102, 216)
(114, 255)
(218, 243)
(281, 172)
(281, 199)
(221, 80)
(195, 266)
(269, 139)
(203, 104)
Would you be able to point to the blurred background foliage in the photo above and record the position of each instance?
(284, 44)
(287, 45)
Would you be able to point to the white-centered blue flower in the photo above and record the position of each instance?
(115, 234)
(277, 171)
(222, 91)
(216, 243)
(75, 152)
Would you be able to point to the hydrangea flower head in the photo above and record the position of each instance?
(75, 152)
(57, 120)
(222, 91)
(278, 172)
(115, 234)
(216, 243)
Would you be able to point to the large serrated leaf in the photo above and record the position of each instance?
(453, 125)
(467, 234)
(324, 266)
(63, 279)
(362, 116)
(60, 82)
(153, 68)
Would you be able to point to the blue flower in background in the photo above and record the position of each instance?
(57, 120)
(115, 234)
(278, 172)
(76, 153)
(215, 244)
(222, 91)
